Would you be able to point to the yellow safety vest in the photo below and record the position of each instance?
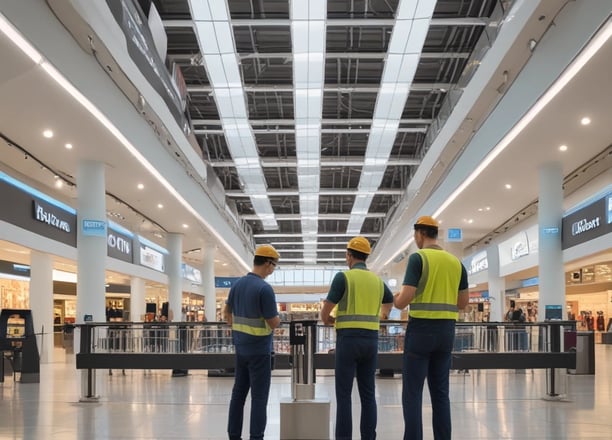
(360, 305)
(251, 326)
(438, 288)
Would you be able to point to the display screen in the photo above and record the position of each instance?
(553, 312)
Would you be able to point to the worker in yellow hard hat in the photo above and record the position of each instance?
(251, 311)
(436, 287)
(359, 295)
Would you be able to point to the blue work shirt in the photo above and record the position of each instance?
(252, 297)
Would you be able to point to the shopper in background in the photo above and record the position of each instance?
(251, 311)
(358, 295)
(436, 287)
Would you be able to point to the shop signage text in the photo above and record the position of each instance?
(94, 228)
(44, 215)
(119, 243)
(584, 225)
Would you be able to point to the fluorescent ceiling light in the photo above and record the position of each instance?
(308, 46)
(216, 41)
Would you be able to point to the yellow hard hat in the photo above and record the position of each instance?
(359, 244)
(266, 250)
(427, 221)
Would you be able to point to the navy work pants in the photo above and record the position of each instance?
(356, 354)
(254, 373)
(427, 354)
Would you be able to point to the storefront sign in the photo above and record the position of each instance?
(46, 213)
(119, 246)
(478, 263)
(587, 223)
(93, 228)
(520, 247)
(151, 258)
(191, 273)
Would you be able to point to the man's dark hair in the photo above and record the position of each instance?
(258, 260)
(357, 255)
(429, 231)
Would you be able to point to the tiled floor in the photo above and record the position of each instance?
(485, 405)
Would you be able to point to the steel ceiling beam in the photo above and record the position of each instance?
(268, 162)
(272, 192)
(337, 22)
(323, 130)
(328, 55)
(353, 121)
(336, 216)
(417, 87)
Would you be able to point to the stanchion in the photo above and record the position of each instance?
(303, 416)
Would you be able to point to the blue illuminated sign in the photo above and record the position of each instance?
(95, 228)
(225, 282)
(454, 234)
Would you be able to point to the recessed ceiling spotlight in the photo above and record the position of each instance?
(585, 121)
(48, 134)
(68, 146)
(563, 148)
(160, 206)
(480, 209)
(185, 225)
(487, 208)
(508, 186)
(140, 186)
(59, 183)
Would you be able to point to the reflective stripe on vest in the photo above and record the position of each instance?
(438, 288)
(360, 305)
(251, 326)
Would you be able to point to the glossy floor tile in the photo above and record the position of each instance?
(495, 404)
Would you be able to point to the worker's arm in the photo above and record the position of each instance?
(385, 309)
(404, 297)
(463, 298)
(274, 322)
(326, 317)
(227, 314)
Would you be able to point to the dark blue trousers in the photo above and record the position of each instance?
(254, 373)
(356, 355)
(427, 354)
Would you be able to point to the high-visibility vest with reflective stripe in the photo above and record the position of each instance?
(251, 326)
(360, 305)
(438, 288)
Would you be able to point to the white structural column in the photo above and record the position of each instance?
(91, 243)
(208, 284)
(454, 248)
(497, 286)
(137, 299)
(550, 259)
(175, 280)
(41, 303)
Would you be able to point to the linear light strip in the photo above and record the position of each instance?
(405, 47)
(216, 41)
(15, 36)
(568, 74)
(308, 47)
